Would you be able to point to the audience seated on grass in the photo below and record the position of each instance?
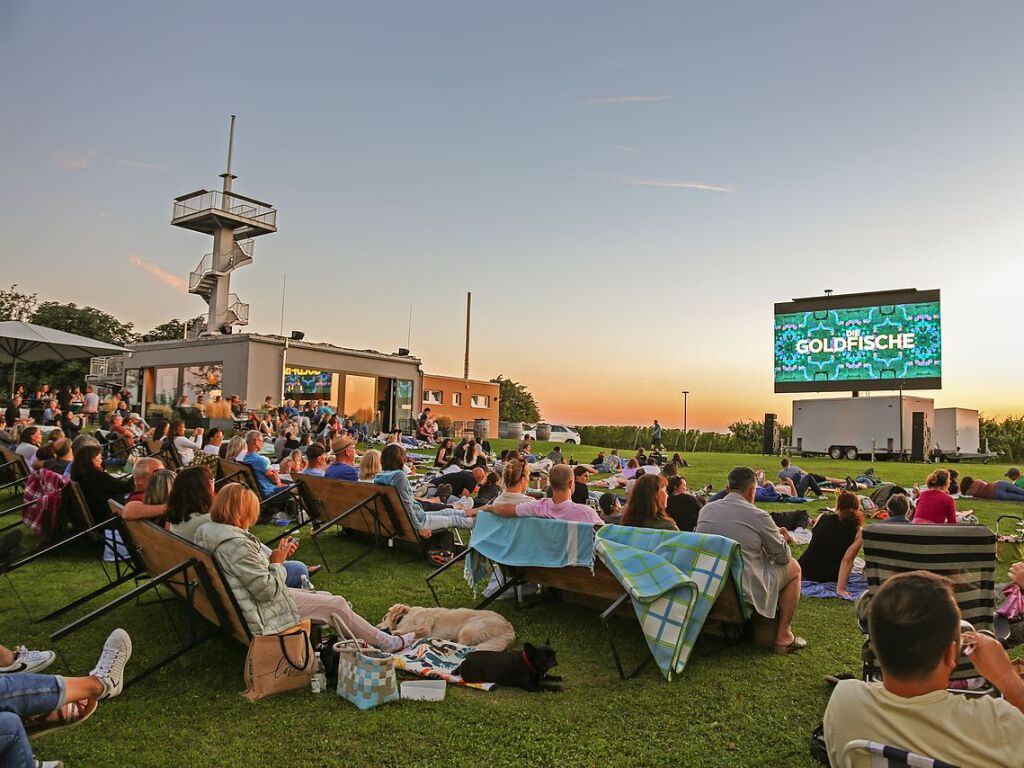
(344, 466)
(771, 577)
(444, 454)
(185, 447)
(427, 516)
(369, 465)
(267, 477)
(896, 507)
(647, 506)
(28, 443)
(914, 626)
(560, 506)
(610, 508)
(258, 579)
(213, 441)
(581, 475)
(835, 542)
(935, 505)
(316, 458)
(234, 450)
(489, 490)
(34, 704)
(516, 478)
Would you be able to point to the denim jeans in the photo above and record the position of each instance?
(1006, 491)
(21, 696)
(804, 482)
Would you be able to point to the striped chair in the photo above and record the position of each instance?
(964, 554)
(884, 756)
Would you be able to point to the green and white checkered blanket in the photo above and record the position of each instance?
(673, 579)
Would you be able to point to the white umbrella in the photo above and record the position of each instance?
(24, 342)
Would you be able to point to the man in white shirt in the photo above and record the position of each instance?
(914, 625)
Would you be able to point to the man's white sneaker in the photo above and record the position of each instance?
(27, 661)
(110, 668)
(49, 764)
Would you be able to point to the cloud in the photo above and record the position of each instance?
(624, 147)
(626, 99)
(664, 184)
(80, 162)
(160, 274)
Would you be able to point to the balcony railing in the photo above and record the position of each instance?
(237, 205)
(106, 367)
(241, 254)
(239, 309)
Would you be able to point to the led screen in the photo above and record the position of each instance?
(858, 342)
(299, 381)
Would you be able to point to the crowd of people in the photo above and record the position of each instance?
(913, 620)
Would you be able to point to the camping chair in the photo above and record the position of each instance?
(100, 534)
(964, 554)
(884, 756)
(164, 451)
(13, 471)
(343, 503)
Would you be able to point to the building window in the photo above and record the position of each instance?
(432, 396)
(202, 380)
(456, 398)
(166, 389)
(480, 401)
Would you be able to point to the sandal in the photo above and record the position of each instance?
(798, 644)
(70, 715)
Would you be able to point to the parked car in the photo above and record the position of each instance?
(560, 433)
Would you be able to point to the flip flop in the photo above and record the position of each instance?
(72, 714)
(798, 644)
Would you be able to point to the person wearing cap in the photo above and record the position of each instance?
(1015, 477)
(344, 466)
(316, 455)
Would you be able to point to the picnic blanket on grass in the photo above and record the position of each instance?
(526, 541)
(436, 660)
(673, 579)
(856, 585)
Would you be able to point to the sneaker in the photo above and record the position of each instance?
(29, 661)
(110, 668)
(49, 763)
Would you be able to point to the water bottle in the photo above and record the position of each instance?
(318, 682)
(305, 584)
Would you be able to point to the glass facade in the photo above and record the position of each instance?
(201, 380)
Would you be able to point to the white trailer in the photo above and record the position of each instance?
(957, 433)
(854, 427)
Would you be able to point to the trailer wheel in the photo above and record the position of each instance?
(836, 452)
(852, 454)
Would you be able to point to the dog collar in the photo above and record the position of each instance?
(529, 666)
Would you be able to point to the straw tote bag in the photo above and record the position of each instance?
(279, 663)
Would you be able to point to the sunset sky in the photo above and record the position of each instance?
(626, 188)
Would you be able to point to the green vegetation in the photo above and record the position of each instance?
(741, 706)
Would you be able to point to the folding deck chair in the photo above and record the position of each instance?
(885, 756)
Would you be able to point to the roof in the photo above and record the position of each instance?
(236, 338)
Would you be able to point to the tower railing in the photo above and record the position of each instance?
(237, 205)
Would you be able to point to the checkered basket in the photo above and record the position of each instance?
(366, 677)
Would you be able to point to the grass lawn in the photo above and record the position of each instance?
(742, 706)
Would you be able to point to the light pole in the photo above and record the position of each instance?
(685, 393)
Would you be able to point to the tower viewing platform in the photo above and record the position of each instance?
(208, 211)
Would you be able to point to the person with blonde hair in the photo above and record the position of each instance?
(234, 450)
(369, 465)
(257, 580)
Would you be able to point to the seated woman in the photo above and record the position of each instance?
(427, 516)
(293, 463)
(683, 507)
(369, 465)
(258, 580)
(609, 507)
(934, 504)
(646, 507)
(516, 477)
(444, 453)
(835, 541)
(213, 441)
(489, 490)
(235, 449)
(185, 447)
(97, 486)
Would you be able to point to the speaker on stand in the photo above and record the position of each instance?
(770, 442)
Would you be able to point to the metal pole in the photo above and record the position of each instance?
(902, 457)
(686, 392)
(14, 373)
(469, 307)
(284, 285)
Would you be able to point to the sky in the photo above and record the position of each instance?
(626, 188)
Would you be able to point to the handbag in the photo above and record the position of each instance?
(278, 663)
(366, 677)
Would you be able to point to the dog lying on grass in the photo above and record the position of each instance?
(526, 669)
(483, 630)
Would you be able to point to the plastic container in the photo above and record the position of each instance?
(424, 690)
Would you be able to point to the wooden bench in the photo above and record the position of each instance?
(191, 573)
(353, 506)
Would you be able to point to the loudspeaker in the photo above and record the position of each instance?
(917, 449)
(768, 443)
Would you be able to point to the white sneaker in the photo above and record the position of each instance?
(27, 661)
(49, 763)
(110, 668)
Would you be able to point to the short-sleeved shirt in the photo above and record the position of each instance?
(314, 472)
(792, 472)
(935, 724)
(339, 471)
(261, 465)
(935, 507)
(563, 510)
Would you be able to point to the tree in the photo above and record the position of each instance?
(15, 305)
(172, 329)
(515, 403)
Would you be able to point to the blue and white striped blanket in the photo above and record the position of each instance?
(673, 579)
(526, 541)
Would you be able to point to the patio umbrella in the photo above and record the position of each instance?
(24, 342)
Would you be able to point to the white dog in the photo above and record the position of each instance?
(483, 630)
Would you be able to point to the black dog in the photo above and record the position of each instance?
(525, 669)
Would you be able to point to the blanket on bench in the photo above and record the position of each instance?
(673, 579)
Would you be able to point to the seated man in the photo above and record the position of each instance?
(12, 416)
(141, 472)
(914, 625)
(559, 506)
(268, 478)
(897, 506)
(801, 480)
(771, 577)
(62, 457)
(118, 428)
(344, 466)
(316, 455)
